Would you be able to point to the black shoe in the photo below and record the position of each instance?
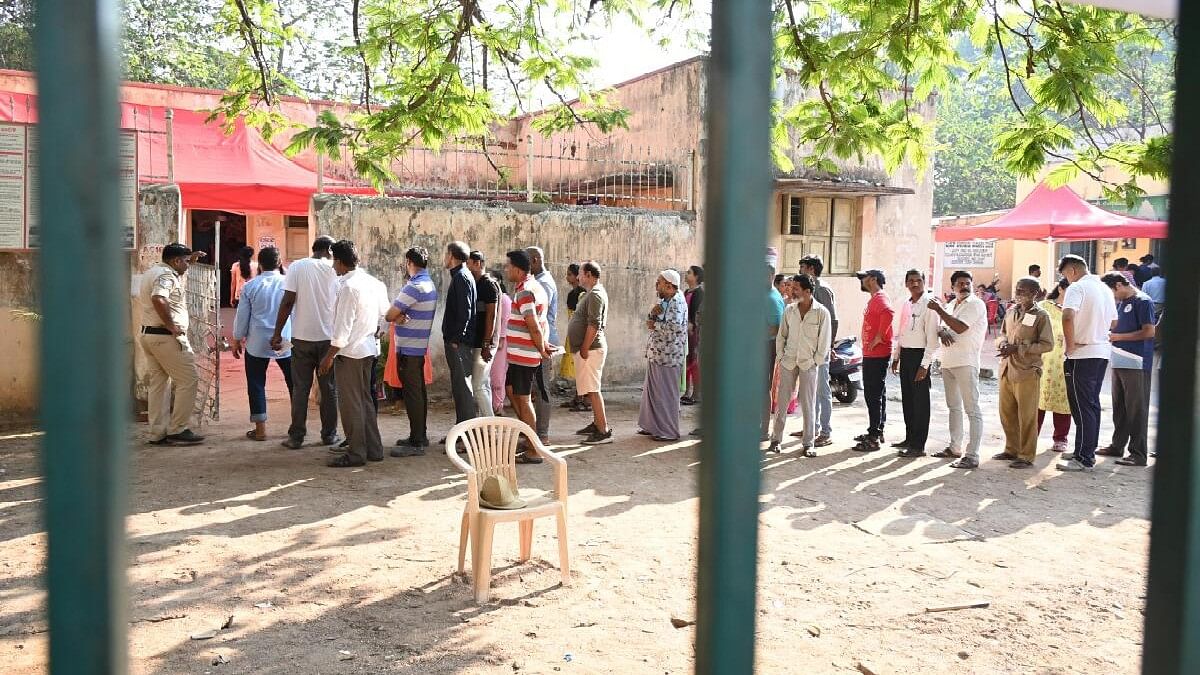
(902, 445)
(343, 444)
(868, 444)
(588, 430)
(343, 462)
(774, 448)
(414, 444)
(159, 441)
(1130, 461)
(911, 453)
(696, 433)
(869, 437)
(333, 440)
(293, 443)
(185, 437)
(408, 451)
(597, 438)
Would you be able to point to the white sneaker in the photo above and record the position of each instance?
(1073, 465)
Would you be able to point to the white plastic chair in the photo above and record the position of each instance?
(491, 444)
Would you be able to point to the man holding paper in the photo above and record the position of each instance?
(1027, 335)
(1132, 360)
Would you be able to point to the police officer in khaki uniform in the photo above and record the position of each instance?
(171, 365)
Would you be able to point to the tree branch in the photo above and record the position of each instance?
(366, 97)
(248, 32)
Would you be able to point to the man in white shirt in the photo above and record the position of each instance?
(802, 345)
(309, 291)
(362, 301)
(1088, 315)
(916, 343)
(962, 338)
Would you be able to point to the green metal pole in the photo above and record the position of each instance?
(84, 352)
(1172, 640)
(734, 332)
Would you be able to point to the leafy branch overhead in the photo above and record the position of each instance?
(1084, 85)
(429, 71)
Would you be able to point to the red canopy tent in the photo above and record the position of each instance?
(1056, 215)
(237, 172)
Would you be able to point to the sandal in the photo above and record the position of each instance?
(255, 437)
(809, 452)
(947, 454)
(528, 459)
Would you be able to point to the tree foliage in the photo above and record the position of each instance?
(1060, 67)
(429, 71)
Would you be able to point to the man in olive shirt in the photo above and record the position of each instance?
(1027, 335)
(586, 333)
(813, 266)
(170, 362)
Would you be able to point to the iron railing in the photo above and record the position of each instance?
(533, 168)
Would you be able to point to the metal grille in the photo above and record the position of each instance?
(204, 333)
(559, 170)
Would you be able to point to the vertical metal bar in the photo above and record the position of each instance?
(739, 76)
(84, 403)
(170, 145)
(1172, 635)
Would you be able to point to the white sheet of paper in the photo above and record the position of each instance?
(1028, 320)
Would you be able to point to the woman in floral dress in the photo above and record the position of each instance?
(1054, 387)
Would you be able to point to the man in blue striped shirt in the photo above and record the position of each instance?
(412, 312)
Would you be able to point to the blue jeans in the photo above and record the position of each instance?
(824, 401)
(1084, 378)
(256, 383)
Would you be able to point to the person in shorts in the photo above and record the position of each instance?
(527, 346)
(587, 331)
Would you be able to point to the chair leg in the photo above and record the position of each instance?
(526, 539)
(463, 538)
(481, 558)
(564, 561)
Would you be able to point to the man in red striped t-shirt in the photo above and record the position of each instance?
(527, 346)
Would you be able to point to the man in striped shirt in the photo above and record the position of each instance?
(412, 312)
(527, 346)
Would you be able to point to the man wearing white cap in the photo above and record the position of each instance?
(665, 354)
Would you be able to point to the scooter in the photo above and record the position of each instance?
(845, 364)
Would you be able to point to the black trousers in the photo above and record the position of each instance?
(874, 373)
(1084, 378)
(416, 398)
(915, 398)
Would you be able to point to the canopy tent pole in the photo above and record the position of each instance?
(1051, 260)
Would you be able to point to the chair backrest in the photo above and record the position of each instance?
(491, 445)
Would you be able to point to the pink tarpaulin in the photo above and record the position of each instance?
(235, 172)
(1057, 214)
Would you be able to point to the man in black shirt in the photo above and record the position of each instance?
(458, 330)
(579, 403)
(487, 332)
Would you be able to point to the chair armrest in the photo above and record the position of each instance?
(468, 471)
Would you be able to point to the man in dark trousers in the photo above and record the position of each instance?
(915, 347)
(877, 349)
(458, 330)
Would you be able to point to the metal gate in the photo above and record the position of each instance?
(203, 290)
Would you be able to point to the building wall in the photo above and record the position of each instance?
(18, 337)
(631, 246)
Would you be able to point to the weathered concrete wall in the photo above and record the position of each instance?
(18, 337)
(631, 246)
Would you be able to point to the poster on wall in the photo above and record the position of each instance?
(19, 182)
(12, 186)
(969, 254)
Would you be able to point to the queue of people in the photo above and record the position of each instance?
(1054, 352)
(324, 320)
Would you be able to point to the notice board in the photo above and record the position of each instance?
(19, 214)
(969, 254)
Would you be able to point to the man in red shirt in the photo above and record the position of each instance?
(877, 350)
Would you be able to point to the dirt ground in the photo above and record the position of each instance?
(352, 571)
